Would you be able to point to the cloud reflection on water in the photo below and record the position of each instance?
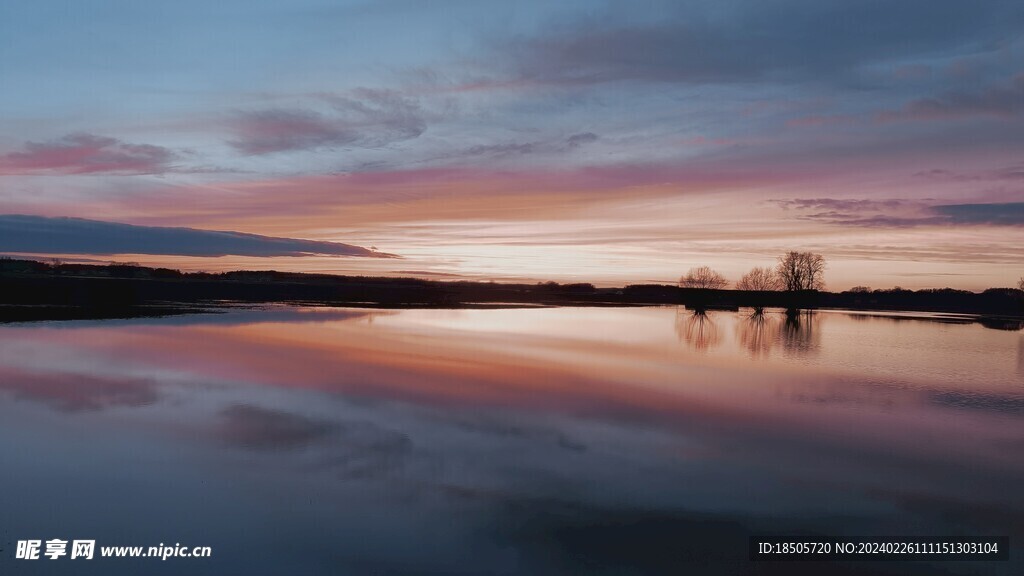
(547, 432)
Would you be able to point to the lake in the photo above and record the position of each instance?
(533, 441)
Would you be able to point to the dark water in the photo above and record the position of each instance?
(537, 441)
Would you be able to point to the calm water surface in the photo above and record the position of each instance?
(516, 441)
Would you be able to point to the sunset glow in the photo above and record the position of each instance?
(609, 143)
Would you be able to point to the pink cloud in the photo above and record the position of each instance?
(87, 154)
(282, 206)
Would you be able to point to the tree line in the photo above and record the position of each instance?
(794, 272)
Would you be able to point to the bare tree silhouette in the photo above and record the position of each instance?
(800, 271)
(703, 277)
(760, 280)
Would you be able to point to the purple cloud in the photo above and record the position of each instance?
(365, 118)
(267, 131)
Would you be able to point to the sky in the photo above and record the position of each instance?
(605, 142)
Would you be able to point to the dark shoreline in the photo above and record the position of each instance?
(32, 290)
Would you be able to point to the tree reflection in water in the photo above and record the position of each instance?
(697, 329)
(757, 333)
(799, 334)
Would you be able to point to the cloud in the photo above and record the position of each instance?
(491, 153)
(837, 204)
(42, 235)
(267, 131)
(365, 118)
(351, 449)
(499, 150)
(365, 450)
(899, 213)
(1005, 214)
(755, 41)
(88, 154)
(510, 430)
(258, 428)
(78, 392)
(577, 140)
(1005, 100)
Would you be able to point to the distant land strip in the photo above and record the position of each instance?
(84, 290)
